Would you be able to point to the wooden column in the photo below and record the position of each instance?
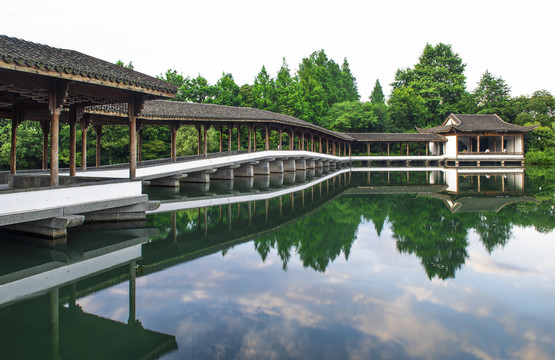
(292, 140)
(478, 143)
(239, 137)
(250, 139)
(74, 113)
(16, 120)
(136, 103)
(387, 149)
(302, 141)
(280, 142)
(198, 139)
(140, 143)
(206, 127)
(98, 132)
(229, 138)
(349, 149)
(173, 143)
(254, 137)
(45, 125)
(267, 139)
(312, 142)
(221, 136)
(56, 98)
(327, 146)
(320, 149)
(407, 149)
(85, 122)
(502, 143)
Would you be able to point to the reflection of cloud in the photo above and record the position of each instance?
(487, 265)
(271, 304)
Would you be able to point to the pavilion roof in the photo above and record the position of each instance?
(396, 137)
(25, 56)
(477, 123)
(159, 110)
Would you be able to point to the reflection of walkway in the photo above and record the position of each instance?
(41, 327)
(481, 202)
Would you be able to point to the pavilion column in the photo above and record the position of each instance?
(16, 120)
(173, 130)
(98, 132)
(427, 147)
(522, 144)
(221, 138)
(407, 149)
(199, 136)
(238, 137)
(387, 149)
(206, 127)
(267, 139)
(229, 128)
(56, 98)
(327, 146)
(292, 140)
(478, 143)
(302, 136)
(74, 114)
(502, 143)
(349, 149)
(312, 142)
(45, 125)
(368, 149)
(320, 144)
(250, 137)
(140, 144)
(280, 140)
(85, 123)
(135, 107)
(254, 137)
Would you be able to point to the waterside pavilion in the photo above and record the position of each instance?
(473, 139)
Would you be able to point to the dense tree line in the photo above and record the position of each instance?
(325, 93)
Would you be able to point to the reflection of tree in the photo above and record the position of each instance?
(318, 238)
(427, 229)
(495, 229)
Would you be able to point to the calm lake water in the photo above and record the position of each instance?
(349, 265)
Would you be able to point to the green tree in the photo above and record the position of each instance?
(263, 91)
(227, 92)
(407, 109)
(377, 96)
(492, 95)
(438, 78)
(122, 64)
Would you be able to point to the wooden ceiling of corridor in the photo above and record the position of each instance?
(29, 71)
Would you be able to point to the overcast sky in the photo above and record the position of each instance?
(512, 39)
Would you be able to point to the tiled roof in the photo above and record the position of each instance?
(71, 64)
(475, 122)
(396, 137)
(177, 110)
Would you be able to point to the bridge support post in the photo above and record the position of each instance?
(226, 173)
(300, 164)
(318, 164)
(289, 165)
(276, 166)
(245, 170)
(198, 177)
(52, 228)
(170, 181)
(262, 168)
(310, 164)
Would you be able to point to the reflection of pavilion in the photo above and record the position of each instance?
(43, 323)
(471, 190)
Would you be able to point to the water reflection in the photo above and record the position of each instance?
(431, 214)
(367, 235)
(40, 287)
